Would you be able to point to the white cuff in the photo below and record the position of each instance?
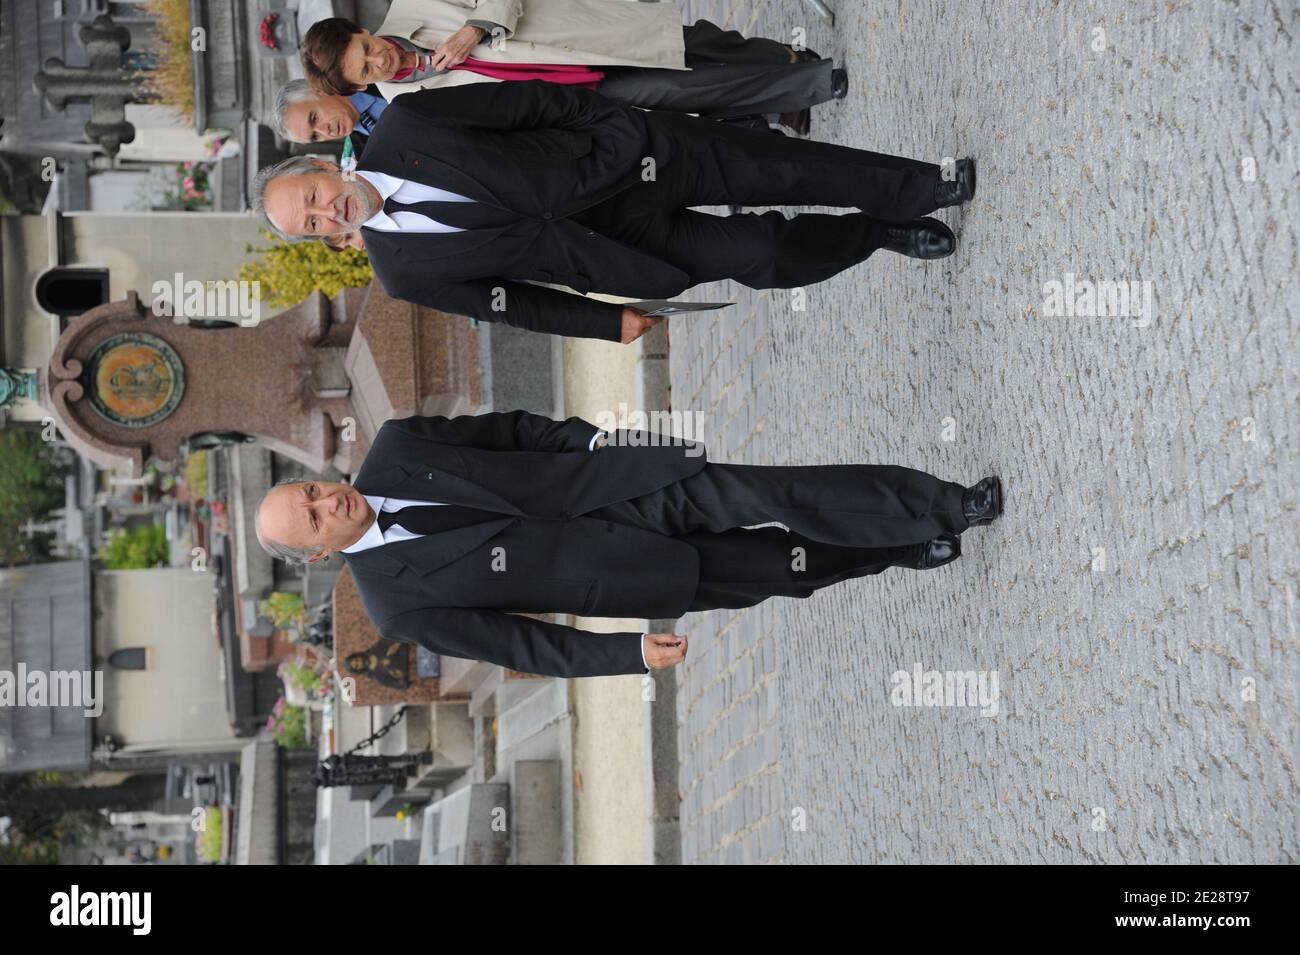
(591, 445)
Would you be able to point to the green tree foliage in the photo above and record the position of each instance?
(282, 608)
(288, 725)
(31, 485)
(137, 549)
(290, 271)
(50, 812)
(209, 837)
(196, 475)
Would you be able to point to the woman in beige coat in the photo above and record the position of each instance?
(636, 53)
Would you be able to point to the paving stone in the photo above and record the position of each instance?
(1125, 731)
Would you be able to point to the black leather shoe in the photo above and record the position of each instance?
(961, 188)
(839, 83)
(937, 552)
(921, 239)
(752, 121)
(982, 502)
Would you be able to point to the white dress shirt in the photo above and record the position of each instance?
(404, 191)
(374, 537)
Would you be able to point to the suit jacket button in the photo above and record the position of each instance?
(429, 476)
(546, 215)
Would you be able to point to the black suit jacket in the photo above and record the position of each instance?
(541, 152)
(451, 592)
(359, 140)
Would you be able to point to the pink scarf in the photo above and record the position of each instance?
(550, 72)
(570, 75)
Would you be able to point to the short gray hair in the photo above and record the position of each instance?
(293, 166)
(290, 555)
(295, 91)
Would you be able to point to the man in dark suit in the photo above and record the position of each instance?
(454, 522)
(465, 194)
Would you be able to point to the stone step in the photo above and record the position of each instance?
(532, 714)
(399, 852)
(483, 700)
(470, 826)
(432, 778)
(536, 823)
(460, 677)
(512, 692)
(365, 792)
(390, 799)
(365, 855)
(411, 734)
(485, 749)
(453, 735)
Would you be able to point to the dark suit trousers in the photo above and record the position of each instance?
(707, 43)
(745, 566)
(730, 75)
(716, 164)
(850, 520)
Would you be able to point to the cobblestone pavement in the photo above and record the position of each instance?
(1137, 601)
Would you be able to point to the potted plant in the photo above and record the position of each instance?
(288, 725)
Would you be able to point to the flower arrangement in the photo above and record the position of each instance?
(305, 686)
(288, 725)
(282, 608)
(191, 189)
(137, 549)
(216, 144)
(266, 31)
(303, 677)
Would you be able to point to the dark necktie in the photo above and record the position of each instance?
(463, 215)
(434, 518)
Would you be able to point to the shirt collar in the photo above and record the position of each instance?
(361, 100)
(410, 73)
(386, 185)
(373, 536)
(402, 43)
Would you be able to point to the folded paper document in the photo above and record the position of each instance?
(660, 307)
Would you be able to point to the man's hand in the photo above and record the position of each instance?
(663, 650)
(453, 50)
(635, 325)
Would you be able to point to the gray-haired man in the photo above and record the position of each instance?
(468, 195)
(454, 524)
(303, 115)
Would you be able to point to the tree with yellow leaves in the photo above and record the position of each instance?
(290, 271)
